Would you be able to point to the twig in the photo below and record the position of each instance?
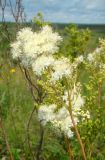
(28, 128)
(37, 100)
(70, 154)
(5, 136)
(75, 127)
(39, 149)
(99, 94)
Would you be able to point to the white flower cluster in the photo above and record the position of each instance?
(46, 113)
(42, 63)
(31, 45)
(78, 60)
(76, 100)
(96, 59)
(64, 68)
(90, 57)
(61, 68)
(93, 56)
(61, 118)
(37, 49)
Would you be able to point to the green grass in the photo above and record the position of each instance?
(95, 35)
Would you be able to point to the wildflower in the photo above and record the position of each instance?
(76, 100)
(30, 45)
(61, 67)
(16, 49)
(42, 62)
(46, 113)
(24, 34)
(13, 70)
(90, 57)
(59, 119)
(79, 59)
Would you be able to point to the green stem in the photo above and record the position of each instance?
(75, 127)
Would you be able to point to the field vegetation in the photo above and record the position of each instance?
(22, 136)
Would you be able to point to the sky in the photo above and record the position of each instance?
(65, 11)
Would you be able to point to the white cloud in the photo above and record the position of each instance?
(80, 11)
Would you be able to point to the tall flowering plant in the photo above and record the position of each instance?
(54, 85)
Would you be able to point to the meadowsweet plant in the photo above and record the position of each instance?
(30, 46)
(63, 104)
(94, 98)
(95, 67)
(64, 93)
(96, 60)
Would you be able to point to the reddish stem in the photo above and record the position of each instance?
(70, 154)
(99, 95)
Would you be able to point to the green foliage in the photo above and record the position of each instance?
(53, 151)
(75, 41)
(17, 104)
(38, 21)
(4, 44)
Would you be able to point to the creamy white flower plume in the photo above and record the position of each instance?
(76, 100)
(61, 67)
(59, 119)
(30, 45)
(46, 113)
(16, 49)
(24, 34)
(96, 59)
(79, 59)
(42, 63)
(90, 57)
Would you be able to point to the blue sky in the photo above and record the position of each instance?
(75, 11)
